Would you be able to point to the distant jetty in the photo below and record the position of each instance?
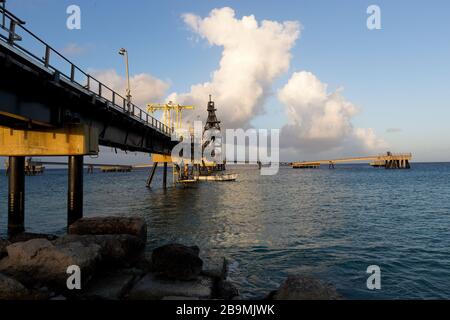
(389, 161)
(31, 168)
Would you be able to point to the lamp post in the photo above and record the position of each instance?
(124, 52)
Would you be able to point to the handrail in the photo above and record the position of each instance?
(9, 14)
(12, 39)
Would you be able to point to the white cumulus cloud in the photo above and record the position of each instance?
(319, 120)
(254, 54)
(144, 87)
(74, 49)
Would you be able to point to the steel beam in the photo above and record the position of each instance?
(70, 140)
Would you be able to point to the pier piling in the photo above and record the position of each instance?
(152, 173)
(165, 176)
(75, 190)
(16, 195)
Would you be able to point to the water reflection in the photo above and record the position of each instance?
(328, 223)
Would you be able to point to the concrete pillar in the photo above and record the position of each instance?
(16, 195)
(75, 190)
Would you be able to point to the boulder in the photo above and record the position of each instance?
(226, 290)
(172, 298)
(25, 236)
(3, 245)
(153, 287)
(11, 289)
(176, 261)
(39, 261)
(111, 286)
(115, 248)
(216, 267)
(134, 226)
(144, 262)
(305, 288)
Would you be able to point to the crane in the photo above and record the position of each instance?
(178, 113)
(167, 112)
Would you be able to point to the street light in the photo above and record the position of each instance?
(124, 52)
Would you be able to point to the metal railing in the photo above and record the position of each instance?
(10, 33)
(2, 6)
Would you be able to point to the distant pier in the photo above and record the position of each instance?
(116, 168)
(388, 161)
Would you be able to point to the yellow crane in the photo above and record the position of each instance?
(178, 112)
(167, 112)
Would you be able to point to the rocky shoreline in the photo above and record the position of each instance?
(113, 264)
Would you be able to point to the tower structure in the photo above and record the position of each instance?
(211, 121)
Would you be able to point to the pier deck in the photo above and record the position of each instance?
(390, 160)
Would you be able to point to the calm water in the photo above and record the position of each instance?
(331, 224)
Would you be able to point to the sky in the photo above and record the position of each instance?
(309, 68)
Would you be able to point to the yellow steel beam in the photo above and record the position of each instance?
(72, 140)
(161, 158)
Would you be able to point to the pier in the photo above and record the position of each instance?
(388, 161)
(51, 107)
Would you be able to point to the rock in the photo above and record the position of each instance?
(226, 290)
(144, 262)
(179, 298)
(115, 248)
(3, 245)
(26, 236)
(40, 294)
(270, 296)
(134, 226)
(304, 288)
(11, 289)
(176, 261)
(215, 267)
(39, 261)
(111, 286)
(152, 287)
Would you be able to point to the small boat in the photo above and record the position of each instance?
(219, 177)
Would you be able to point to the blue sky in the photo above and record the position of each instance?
(399, 76)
